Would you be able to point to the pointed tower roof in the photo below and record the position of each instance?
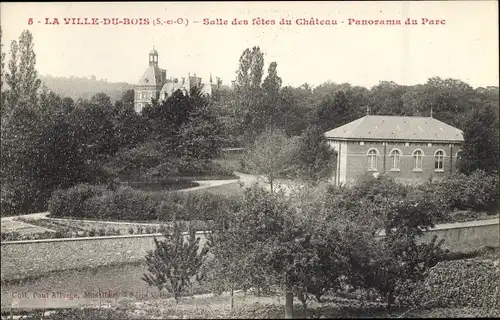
(153, 74)
(151, 77)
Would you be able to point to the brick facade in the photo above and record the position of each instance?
(353, 160)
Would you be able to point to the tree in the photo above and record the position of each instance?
(386, 99)
(270, 110)
(337, 109)
(228, 249)
(199, 137)
(2, 72)
(450, 100)
(271, 156)
(315, 158)
(281, 246)
(12, 78)
(297, 109)
(481, 145)
(94, 129)
(101, 99)
(176, 262)
(129, 126)
(397, 260)
(28, 76)
(249, 92)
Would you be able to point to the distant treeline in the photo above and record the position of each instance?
(84, 88)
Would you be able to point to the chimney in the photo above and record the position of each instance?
(163, 76)
(183, 80)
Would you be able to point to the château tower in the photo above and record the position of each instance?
(149, 85)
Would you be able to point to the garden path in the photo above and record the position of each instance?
(8, 224)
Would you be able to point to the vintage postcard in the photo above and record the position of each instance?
(249, 159)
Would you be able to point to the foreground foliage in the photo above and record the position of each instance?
(176, 262)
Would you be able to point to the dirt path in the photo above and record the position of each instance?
(11, 224)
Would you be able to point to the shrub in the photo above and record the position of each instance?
(477, 192)
(462, 283)
(175, 263)
(194, 168)
(71, 202)
(59, 234)
(126, 203)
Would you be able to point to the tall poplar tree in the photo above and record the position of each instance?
(2, 73)
(248, 90)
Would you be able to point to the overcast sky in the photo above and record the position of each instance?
(466, 47)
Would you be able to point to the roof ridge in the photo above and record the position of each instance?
(412, 127)
(360, 120)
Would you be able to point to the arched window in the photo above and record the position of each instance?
(418, 156)
(395, 159)
(439, 160)
(372, 159)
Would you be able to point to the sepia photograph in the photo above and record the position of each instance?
(249, 160)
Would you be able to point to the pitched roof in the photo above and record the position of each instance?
(373, 127)
(171, 87)
(151, 77)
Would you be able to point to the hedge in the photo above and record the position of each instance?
(476, 192)
(126, 203)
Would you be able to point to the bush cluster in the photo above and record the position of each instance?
(126, 203)
(463, 283)
(476, 192)
(459, 197)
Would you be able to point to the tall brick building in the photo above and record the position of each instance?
(406, 148)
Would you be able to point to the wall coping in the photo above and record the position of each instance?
(457, 225)
(48, 217)
(467, 224)
(129, 236)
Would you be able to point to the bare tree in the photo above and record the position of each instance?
(271, 156)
